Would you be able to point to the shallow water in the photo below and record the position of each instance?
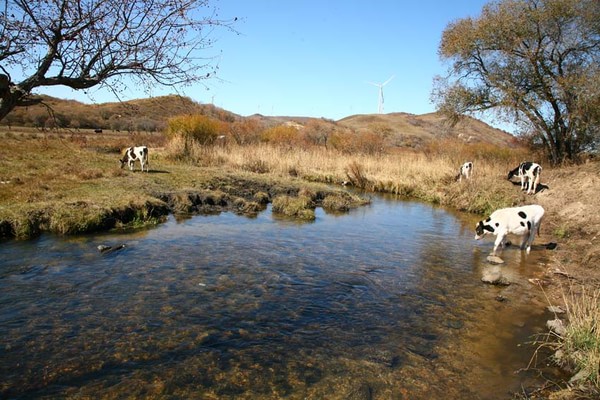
(384, 302)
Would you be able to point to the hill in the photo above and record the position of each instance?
(151, 114)
(412, 129)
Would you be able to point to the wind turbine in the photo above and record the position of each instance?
(380, 86)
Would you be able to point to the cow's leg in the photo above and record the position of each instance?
(529, 184)
(531, 237)
(524, 240)
(536, 181)
(499, 242)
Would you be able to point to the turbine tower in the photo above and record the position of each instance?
(380, 86)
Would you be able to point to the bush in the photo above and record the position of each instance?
(245, 131)
(356, 175)
(283, 135)
(193, 128)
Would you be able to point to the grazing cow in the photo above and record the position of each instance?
(135, 153)
(522, 221)
(466, 171)
(529, 172)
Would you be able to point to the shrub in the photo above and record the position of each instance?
(283, 135)
(245, 131)
(193, 128)
(356, 175)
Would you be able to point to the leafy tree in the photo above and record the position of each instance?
(86, 43)
(532, 62)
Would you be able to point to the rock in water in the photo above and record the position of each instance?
(109, 249)
(557, 326)
(495, 260)
(493, 276)
(556, 309)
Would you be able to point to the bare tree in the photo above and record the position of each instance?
(534, 62)
(86, 43)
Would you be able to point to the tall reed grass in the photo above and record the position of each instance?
(426, 175)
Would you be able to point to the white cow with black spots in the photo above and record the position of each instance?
(529, 172)
(521, 221)
(133, 154)
(465, 171)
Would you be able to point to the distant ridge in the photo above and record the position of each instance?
(405, 129)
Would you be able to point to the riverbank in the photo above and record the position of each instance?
(72, 183)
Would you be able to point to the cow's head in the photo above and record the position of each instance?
(482, 228)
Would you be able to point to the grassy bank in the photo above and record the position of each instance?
(69, 184)
(72, 183)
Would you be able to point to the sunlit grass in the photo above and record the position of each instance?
(54, 172)
(580, 343)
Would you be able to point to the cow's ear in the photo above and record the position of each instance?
(489, 228)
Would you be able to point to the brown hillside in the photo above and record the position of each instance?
(151, 114)
(418, 129)
(148, 115)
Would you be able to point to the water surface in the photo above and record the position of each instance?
(384, 302)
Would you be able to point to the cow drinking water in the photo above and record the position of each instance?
(521, 221)
(133, 154)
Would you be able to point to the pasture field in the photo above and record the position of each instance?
(68, 183)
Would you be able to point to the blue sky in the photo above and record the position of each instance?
(315, 57)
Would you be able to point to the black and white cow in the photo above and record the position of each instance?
(133, 154)
(522, 221)
(465, 171)
(529, 172)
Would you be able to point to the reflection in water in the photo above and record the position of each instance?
(385, 302)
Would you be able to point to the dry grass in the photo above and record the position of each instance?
(580, 344)
(428, 176)
(43, 172)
